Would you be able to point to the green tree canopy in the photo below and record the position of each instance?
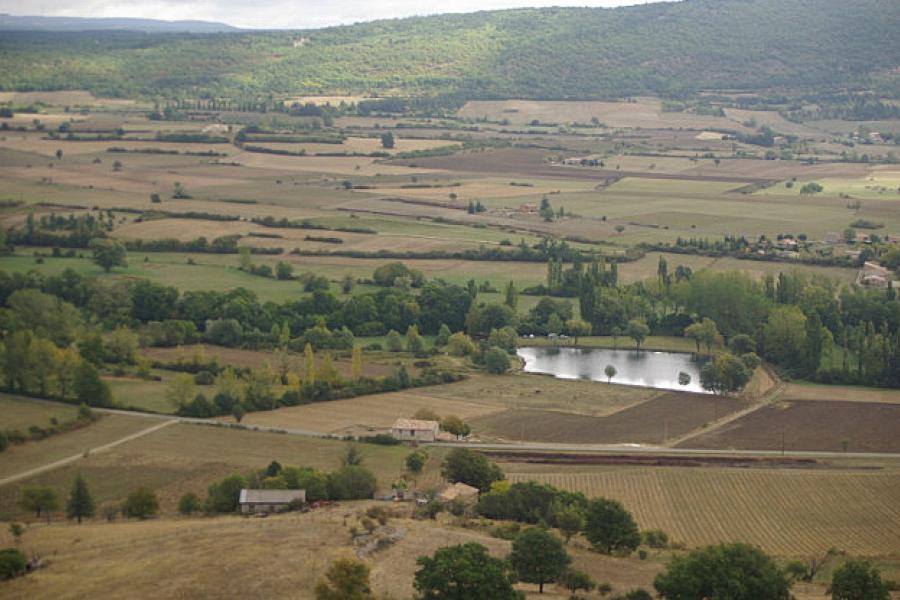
(538, 557)
(81, 503)
(732, 571)
(858, 580)
(610, 528)
(464, 572)
(470, 467)
(108, 253)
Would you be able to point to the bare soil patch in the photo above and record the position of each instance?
(810, 425)
(651, 422)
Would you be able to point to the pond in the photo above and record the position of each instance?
(645, 368)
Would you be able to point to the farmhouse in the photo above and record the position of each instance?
(268, 501)
(874, 275)
(414, 430)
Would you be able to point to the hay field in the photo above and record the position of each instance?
(479, 398)
(362, 145)
(786, 512)
(643, 112)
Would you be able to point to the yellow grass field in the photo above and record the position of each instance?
(278, 557)
(477, 396)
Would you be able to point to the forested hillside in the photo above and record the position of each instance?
(663, 48)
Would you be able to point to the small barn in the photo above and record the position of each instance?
(254, 502)
(414, 430)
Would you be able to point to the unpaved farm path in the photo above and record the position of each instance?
(64, 461)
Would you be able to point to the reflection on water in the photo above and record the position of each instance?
(649, 369)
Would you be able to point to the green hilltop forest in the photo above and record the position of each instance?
(668, 49)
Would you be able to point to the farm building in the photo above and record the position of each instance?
(459, 491)
(268, 501)
(414, 430)
(875, 276)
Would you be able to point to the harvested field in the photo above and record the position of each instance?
(652, 422)
(476, 398)
(532, 163)
(642, 112)
(812, 391)
(364, 415)
(790, 512)
(810, 425)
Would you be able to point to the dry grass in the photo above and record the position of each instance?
(187, 458)
(477, 397)
(21, 413)
(107, 429)
(278, 557)
(812, 391)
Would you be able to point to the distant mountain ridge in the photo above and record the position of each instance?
(38, 23)
(669, 49)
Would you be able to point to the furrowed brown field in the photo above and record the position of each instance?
(786, 512)
(810, 425)
(654, 421)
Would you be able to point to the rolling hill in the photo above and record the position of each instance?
(37, 23)
(667, 49)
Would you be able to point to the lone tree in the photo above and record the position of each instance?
(346, 579)
(538, 557)
(81, 504)
(638, 331)
(108, 253)
(464, 571)
(858, 580)
(609, 527)
(711, 572)
(610, 372)
(387, 140)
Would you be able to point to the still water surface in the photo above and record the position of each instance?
(649, 369)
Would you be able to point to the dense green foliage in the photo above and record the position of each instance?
(858, 580)
(12, 563)
(664, 48)
(464, 571)
(712, 572)
(538, 557)
(470, 467)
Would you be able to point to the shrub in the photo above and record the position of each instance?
(189, 503)
(12, 563)
(141, 504)
(496, 361)
(204, 378)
